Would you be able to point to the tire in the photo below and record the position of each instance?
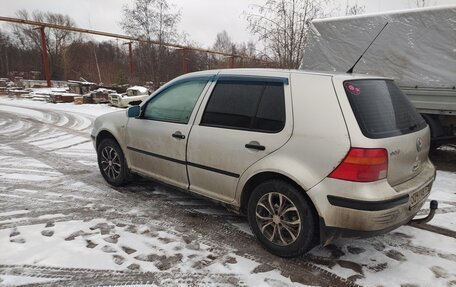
(111, 162)
(290, 234)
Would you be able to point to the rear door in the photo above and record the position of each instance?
(387, 119)
(243, 120)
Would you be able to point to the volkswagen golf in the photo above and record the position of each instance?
(307, 157)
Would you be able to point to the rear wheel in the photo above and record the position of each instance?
(111, 162)
(281, 218)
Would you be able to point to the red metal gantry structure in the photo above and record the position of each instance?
(44, 52)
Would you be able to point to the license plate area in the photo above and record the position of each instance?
(417, 196)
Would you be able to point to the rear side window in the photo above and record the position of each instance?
(247, 105)
(381, 109)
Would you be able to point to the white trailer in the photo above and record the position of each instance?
(416, 47)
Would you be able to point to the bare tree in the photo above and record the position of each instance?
(223, 43)
(420, 3)
(151, 20)
(56, 39)
(283, 25)
(355, 9)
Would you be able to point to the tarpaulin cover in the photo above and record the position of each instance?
(416, 48)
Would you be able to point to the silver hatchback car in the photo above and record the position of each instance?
(308, 157)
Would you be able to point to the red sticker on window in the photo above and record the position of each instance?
(352, 89)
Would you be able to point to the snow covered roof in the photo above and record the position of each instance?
(81, 82)
(140, 89)
(417, 47)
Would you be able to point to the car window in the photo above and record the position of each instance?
(176, 103)
(249, 105)
(381, 109)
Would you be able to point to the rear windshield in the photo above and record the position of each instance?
(381, 109)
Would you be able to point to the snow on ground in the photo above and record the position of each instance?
(57, 216)
(406, 255)
(88, 110)
(47, 235)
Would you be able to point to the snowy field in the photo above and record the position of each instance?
(62, 225)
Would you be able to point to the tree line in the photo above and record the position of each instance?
(281, 27)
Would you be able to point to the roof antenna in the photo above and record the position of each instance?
(351, 69)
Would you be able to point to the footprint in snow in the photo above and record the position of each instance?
(439, 272)
(14, 237)
(119, 260)
(14, 233)
(90, 244)
(112, 239)
(47, 233)
(108, 249)
(134, 267)
(17, 240)
(396, 255)
(355, 250)
(128, 250)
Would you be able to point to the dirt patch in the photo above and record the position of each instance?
(231, 260)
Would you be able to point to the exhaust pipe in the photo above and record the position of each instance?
(433, 207)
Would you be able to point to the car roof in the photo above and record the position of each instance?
(291, 71)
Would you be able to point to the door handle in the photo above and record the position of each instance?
(178, 135)
(255, 145)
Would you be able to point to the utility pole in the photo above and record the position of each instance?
(184, 61)
(130, 59)
(96, 62)
(231, 62)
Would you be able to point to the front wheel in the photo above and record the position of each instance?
(281, 218)
(111, 162)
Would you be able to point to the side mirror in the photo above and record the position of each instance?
(133, 111)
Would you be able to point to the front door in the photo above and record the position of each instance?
(157, 140)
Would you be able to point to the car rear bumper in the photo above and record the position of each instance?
(353, 210)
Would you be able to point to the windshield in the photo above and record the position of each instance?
(381, 109)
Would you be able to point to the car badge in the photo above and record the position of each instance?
(419, 144)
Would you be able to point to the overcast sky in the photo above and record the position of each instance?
(201, 19)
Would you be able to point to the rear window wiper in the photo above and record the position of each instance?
(413, 127)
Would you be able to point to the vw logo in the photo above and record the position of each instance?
(419, 144)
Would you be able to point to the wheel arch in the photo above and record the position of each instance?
(258, 178)
(104, 134)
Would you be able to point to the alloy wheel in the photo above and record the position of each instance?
(110, 162)
(278, 218)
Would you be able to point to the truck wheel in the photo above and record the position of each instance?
(111, 162)
(281, 218)
(436, 129)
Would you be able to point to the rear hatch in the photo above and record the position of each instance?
(388, 119)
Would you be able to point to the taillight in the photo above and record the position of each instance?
(363, 165)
